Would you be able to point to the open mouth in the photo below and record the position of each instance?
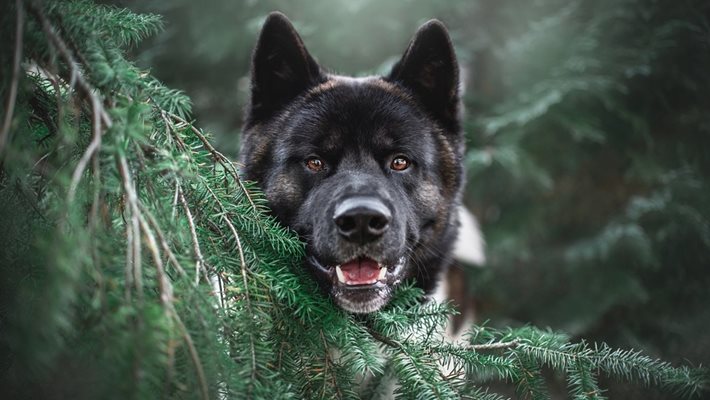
(362, 284)
(360, 271)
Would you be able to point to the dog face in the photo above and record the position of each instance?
(366, 170)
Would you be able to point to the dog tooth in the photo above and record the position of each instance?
(341, 275)
(383, 272)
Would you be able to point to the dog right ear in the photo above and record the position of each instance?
(429, 69)
(281, 68)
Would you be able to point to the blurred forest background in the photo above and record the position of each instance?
(588, 126)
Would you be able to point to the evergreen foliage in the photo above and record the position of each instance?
(120, 220)
(597, 127)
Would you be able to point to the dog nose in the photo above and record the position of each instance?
(362, 219)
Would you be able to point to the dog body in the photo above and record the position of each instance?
(368, 171)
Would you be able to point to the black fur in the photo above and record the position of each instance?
(356, 127)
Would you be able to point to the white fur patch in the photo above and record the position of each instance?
(470, 246)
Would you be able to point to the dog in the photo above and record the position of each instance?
(368, 171)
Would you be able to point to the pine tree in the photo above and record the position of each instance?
(120, 221)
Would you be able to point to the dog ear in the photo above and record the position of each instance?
(429, 69)
(281, 68)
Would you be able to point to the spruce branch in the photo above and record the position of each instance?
(85, 88)
(176, 197)
(413, 362)
(224, 215)
(327, 362)
(223, 212)
(582, 382)
(133, 248)
(495, 345)
(17, 58)
(194, 355)
(170, 130)
(199, 258)
(384, 339)
(98, 114)
(163, 241)
(529, 381)
(243, 268)
(219, 157)
(164, 286)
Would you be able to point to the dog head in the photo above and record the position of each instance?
(366, 170)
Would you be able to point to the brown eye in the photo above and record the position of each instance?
(315, 164)
(400, 163)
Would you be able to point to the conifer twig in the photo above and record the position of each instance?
(384, 339)
(194, 355)
(134, 245)
(176, 196)
(169, 128)
(17, 58)
(495, 345)
(163, 241)
(164, 286)
(129, 269)
(243, 269)
(96, 166)
(76, 78)
(398, 346)
(200, 262)
(235, 234)
(328, 361)
(325, 366)
(91, 150)
(219, 157)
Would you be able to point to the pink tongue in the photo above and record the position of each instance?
(360, 271)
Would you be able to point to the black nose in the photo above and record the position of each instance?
(362, 219)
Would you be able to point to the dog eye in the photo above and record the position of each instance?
(315, 164)
(400, 163)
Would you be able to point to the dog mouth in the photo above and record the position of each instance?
(362, 284)
(360, 271)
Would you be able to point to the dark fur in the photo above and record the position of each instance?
(357, 126)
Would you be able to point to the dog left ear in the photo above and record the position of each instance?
(429, 69)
